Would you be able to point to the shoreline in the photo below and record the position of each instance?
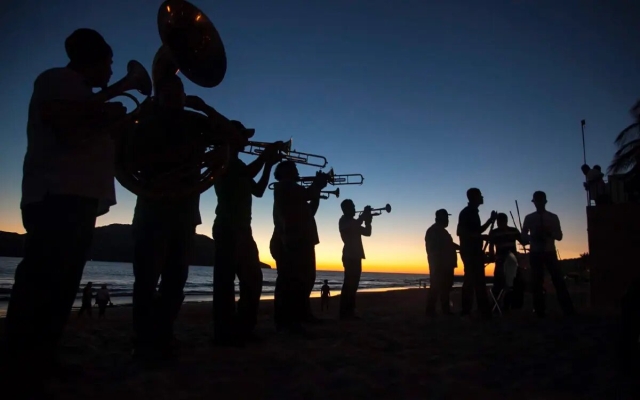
(126, 301)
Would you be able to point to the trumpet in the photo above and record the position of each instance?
(329, 193)
(378, 211)
(343, 179)
(285, 151)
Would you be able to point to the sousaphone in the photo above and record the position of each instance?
(190, 45)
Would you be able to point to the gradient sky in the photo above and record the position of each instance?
(424, 98)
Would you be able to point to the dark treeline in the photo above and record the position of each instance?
(113, 243)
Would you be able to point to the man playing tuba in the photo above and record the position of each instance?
(163, 228)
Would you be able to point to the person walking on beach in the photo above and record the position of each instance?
(443, 259)
(102, 300)
(472, 253)
(351, 232)
(236, 251)
(540, 230)
(325, 295)
(87, 296)
(502, 243)
(68, 181)
(294, 209)
(163, 229)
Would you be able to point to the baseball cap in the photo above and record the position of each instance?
(248, 132)
(442, 213)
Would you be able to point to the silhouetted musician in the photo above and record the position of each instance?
(472, 253)
(351, 232)
(297, 234)
(236, 251)
(68, 181)
(443, 260)
(163, 229)
(503, 243)
(541, 229)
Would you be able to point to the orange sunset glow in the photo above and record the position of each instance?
(396, 244)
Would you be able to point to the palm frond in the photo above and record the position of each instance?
(626, 158)
(628, 133)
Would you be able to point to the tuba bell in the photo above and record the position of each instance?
(190, 45)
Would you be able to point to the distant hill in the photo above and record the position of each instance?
(114, 243)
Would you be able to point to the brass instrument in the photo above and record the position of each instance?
(378, 211)
(297, 157)
(137, 78)
(329, 193)
(190, 45)
(343, 179)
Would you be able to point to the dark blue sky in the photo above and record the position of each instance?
(425, 99)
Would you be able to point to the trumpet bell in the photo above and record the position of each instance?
(139, 77)
(194, 44)
(387, 208)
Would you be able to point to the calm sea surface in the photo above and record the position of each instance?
(119, 279)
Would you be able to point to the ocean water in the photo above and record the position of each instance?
(119, 279)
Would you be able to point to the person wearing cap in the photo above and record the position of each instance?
(164, 228)
(236, 251)
(470, 231)
(293, 244)
(68, 180)
(540, 230)
(443, 259)
(351, 233)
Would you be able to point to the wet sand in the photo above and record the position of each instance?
(393, 352)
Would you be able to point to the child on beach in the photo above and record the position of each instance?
(325, 293)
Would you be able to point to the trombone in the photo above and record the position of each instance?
(343, 179)
(285, 151)
(329, 193)
(378, 211)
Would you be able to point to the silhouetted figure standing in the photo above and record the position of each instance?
(442, 257)
(351, 232)
(472, 253)
(236, 251)
(541, 229)
(103, 299)
(163, 228)
(503, 243)
(68, 181)
(595, 184)
(297, 234)
(87, 297)
(325, 295)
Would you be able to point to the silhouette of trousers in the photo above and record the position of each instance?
(296, 269)
(59, 234)
(352, 273)
(474, 281)
(236, 254)
(161, 249)
(549, 259)
(308, 264)
(441, 282)
(86, 306)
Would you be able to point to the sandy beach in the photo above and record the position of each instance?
(393, 352)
